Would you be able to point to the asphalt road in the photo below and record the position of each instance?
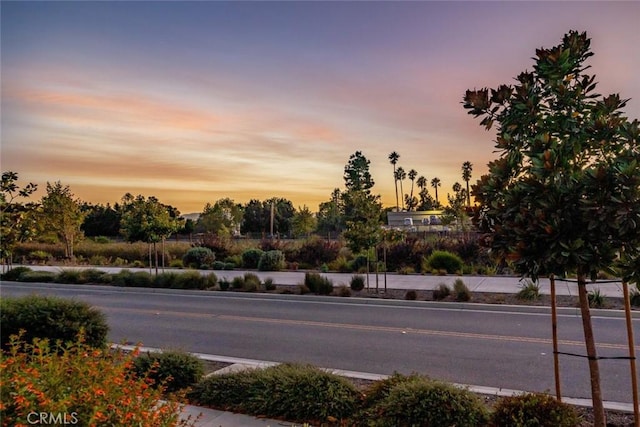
(481, 346)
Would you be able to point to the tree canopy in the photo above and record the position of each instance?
(564, 195)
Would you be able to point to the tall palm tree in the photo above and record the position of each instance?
(412, 176)
(467, 167)
(422, 182)
(393, 159)
(435, 183)
(400, 176)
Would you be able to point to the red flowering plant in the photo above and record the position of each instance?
(74, 383)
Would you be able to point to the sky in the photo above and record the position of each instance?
(192, 102)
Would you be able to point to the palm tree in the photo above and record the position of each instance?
(435, 183)
(400, 176)
(467, 167)
(393, 159)
(412, 176)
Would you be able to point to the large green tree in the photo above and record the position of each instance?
(17, 220)
(331, 214)
(62, 215)
(564, 195)
(257, 216)
(148, 220)
(222, 218)
(362, 210)
(303, 222)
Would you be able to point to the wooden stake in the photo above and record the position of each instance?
(632, 354)
(554, 330)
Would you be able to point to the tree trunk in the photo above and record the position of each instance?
(594, 371)
(155, 250)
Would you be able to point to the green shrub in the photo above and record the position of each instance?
(406, 270)
(635, 296)
(596, 298)
(443, 260)
(173, 369)
(379, 390)
(176, 263)
(357, 283)
(69, 276)
(533, 409)
(318, 284)
(39, 256)
(15, 273)
(138, 279)
(461, 291)
(237, 282)
(269, 285)
(529, 291)
(271, 261)
(421, 402)
(218, 265)
(101, 239)
(358, 263)
(198, 256)
(293, 392)
(411, 295)
(37, 276)
(224, 284)
(93, 275)
(52, 318)
(441, 292)
(251, 257)
(251, 282)
(229, 266)
(165, 280)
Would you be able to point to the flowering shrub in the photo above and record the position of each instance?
(78, 384)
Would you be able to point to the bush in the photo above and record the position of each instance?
(198, 256)
(251, 257)
(194, 280)
(91, 386)
(443, 260)
(596, 298)
(271, 261)
(635, 296)
(441, 292)
(39, 256)
(69, 276)
(293, 392)
(37, 276)
(357, 283)
(176, 263)
(237, 282)
(533, 409)
(175, 370)
(358, 263)
(422, 402)
(411, 295)
(52, 318)
(316, 251)
(224, 284)
(92, 275)
(461, 291)
(218, 265)
(317, 284)
(529, 291)
(251, 282)
(15, 273)
(269, 285)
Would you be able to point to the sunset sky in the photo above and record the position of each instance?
(195, 101)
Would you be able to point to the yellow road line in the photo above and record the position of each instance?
(372, 328)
